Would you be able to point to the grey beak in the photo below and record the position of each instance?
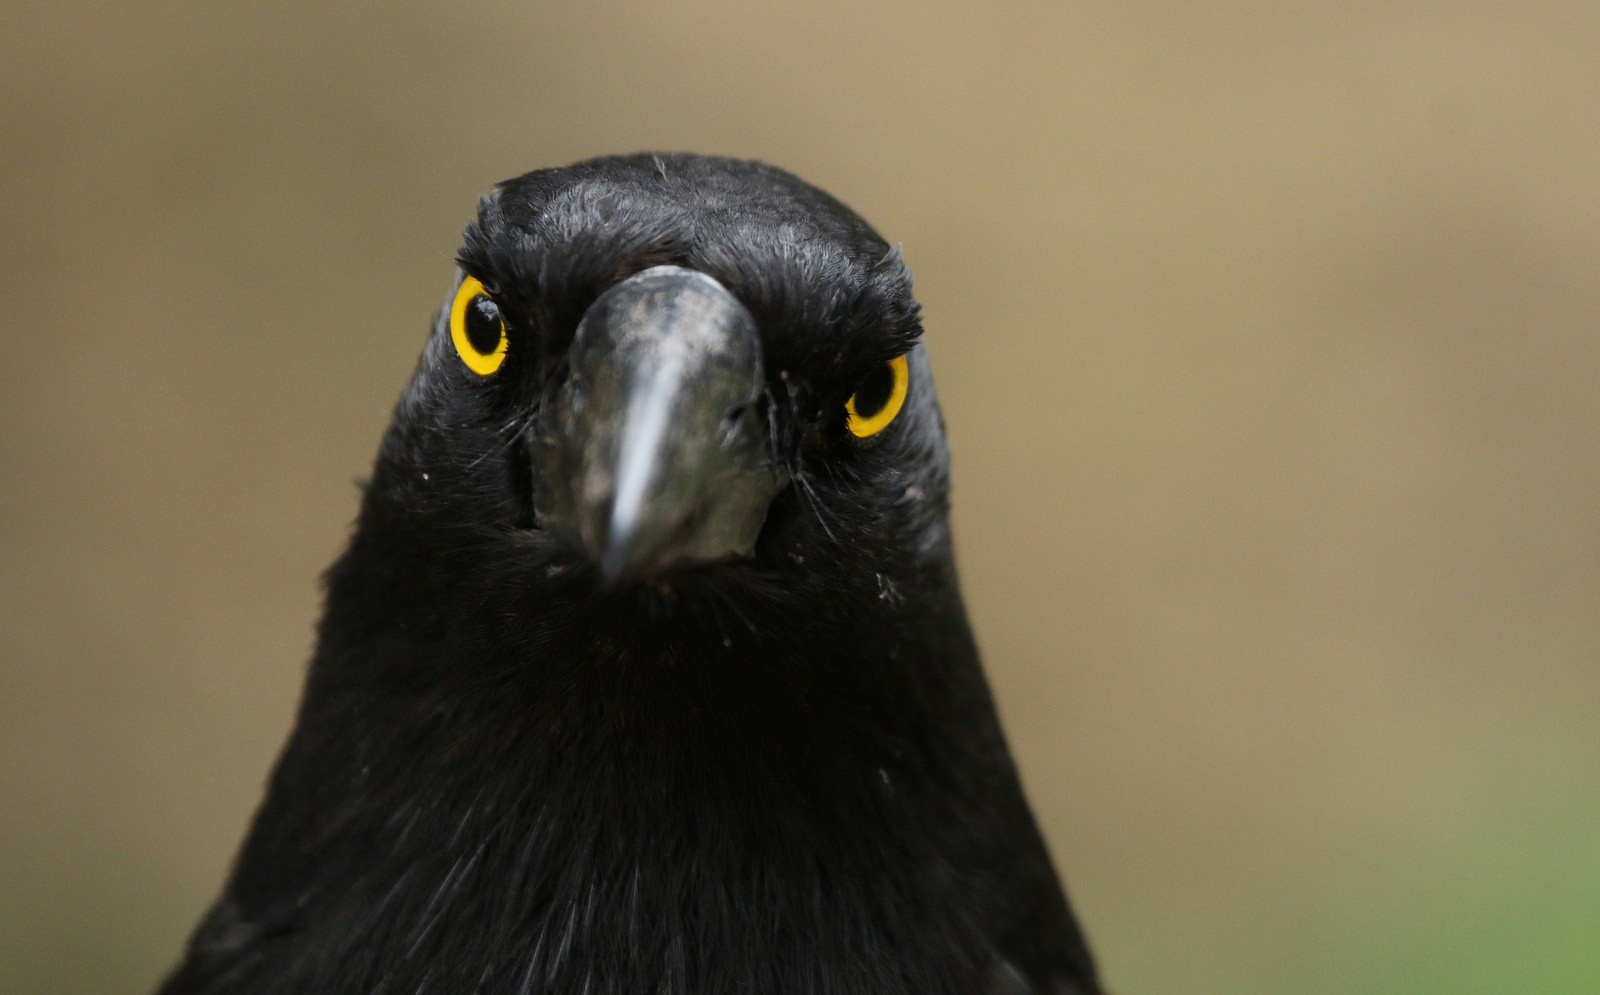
(655, 451)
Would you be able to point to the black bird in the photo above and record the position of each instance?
(646, 671)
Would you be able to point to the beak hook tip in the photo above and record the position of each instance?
(614, 559)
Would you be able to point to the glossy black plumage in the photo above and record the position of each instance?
(780, 774)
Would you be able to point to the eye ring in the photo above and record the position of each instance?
(477, 329)
(879, 398)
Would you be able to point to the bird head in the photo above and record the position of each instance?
(652, 369)
(649, 632)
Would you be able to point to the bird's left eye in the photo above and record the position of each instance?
(476, 328)
(878, 398)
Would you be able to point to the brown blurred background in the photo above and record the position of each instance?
(1269, 342)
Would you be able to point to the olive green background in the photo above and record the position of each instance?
(1269, 341)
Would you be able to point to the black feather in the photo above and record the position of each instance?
(774, 775)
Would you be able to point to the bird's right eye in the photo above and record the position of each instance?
(476, 328)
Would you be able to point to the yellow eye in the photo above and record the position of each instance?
(878, 399)
(477, 328)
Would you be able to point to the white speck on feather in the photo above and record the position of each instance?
(887, 590)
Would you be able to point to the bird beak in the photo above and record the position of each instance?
(655, 451)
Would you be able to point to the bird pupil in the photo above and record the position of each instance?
(873, 392)
(483, 325)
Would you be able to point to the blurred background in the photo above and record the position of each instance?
(1269, 341)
